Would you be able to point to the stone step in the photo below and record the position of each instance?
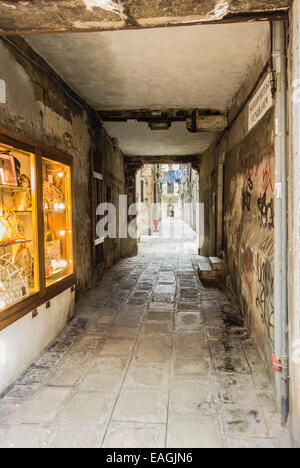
(206, 271)
(216, 263)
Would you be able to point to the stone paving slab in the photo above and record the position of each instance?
(3, 432)
(98, 382)
(7, 408)
(147, 375)
(85, 437)
(42, 408)
(65, 376)
(109, 365)
(154, 348)
(26, 435)
(191, 367)
(142, 405)
(156, 329)
(188, 321)
(193, 432)
(135, 435)
(80, 359)
(188, 397)
(160, 308)
(87, 409)
(190, 345)
(247, 418)
(21, 392)
(116, 347)
(261, 443)
(159, 316)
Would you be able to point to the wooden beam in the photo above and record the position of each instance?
(206, 123)
(150, 115)
(229, 19)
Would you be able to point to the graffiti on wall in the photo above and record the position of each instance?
(265, 298)
(258, 179)
(267, 246)
(250, 167)
(248, 274)
(259, 280)
(266, 210)
(247, 194)
(267, 171)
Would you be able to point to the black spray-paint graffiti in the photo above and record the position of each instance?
(266, 211)
(267, 246)
(264, 300)
(247, 193)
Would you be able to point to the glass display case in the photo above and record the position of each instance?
(19, 267)
(36, 235)
(57, 210)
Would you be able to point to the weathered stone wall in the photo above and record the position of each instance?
(41, 106)
(248, 208)
(129, 247)
(249, 229)
(113, 171)
(248, 220)
(206, 188)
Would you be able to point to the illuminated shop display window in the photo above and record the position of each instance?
(19, 270)
(57, 221)
(36, 235)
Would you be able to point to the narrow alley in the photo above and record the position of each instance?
(175, 236)
(149, 224)
(153, 359)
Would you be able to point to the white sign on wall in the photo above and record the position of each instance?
(2, 92)
(261, 102)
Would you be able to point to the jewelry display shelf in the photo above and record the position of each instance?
(8, 244)
(11, 188)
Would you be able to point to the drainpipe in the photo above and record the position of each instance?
(280, 220)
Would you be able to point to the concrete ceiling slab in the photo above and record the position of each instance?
(138, 140)
(181, 68)
(153, 69)
(36, 16)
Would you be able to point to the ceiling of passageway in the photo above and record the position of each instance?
(179, 67)
(138, 140)
(183, 68)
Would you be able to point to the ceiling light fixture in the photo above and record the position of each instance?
(160, 125)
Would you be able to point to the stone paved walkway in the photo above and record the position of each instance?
(153, 359)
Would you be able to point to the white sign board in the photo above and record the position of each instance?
(2, 92)
(261, 102)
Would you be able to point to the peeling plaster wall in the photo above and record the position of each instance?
(248, 204)
(249, 229)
